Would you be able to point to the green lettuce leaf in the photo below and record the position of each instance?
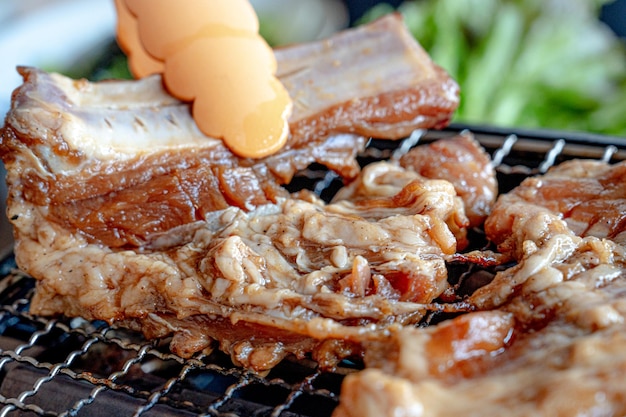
(530, 63)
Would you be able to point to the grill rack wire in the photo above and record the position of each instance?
(71, 367)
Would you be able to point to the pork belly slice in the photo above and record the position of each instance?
(579, 197)
(122, 160)
(556, 345)
(294, 277)
(465, 163)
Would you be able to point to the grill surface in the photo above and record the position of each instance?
(68, 367)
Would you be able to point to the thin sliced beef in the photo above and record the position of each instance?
(580, 197)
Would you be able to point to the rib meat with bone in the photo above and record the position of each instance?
(124, 212)
(144, 167)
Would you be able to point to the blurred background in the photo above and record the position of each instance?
(557, 64)
(533, 63)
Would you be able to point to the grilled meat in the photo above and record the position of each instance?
(124, 212)
(548, 334)
(584, 198)
(387, 179)
(459, 160)
(285, 278)
(462, 161)
(144, 167)
(550, 340)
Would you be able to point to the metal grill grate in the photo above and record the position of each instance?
(70, 367)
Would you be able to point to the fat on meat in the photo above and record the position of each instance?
(292, 277)
(119, 161)
(123, 211)
(546, 336)
(387, 179)
(465, 163)
(579, 197)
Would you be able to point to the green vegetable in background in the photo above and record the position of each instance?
(525, 63)
(530, 63)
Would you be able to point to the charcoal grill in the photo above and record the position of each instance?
(71, 367)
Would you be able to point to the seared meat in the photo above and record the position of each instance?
(120, 161)
(143, 167)
(462, 161)
(555, 346)
(548, 335)
(584, 198)
(124, 212)
(459, 159)
(291, 277)
(386, 179)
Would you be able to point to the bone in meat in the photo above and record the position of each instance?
(144, 167)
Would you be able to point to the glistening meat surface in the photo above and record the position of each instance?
(585, 198)
(462, 161)
(548, 335)
(144, 167)
(297, 276)
(124, 212)
(387, 179)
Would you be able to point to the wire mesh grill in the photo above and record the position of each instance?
(71, 367)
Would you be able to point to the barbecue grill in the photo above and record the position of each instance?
(71, 367)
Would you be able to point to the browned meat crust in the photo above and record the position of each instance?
(136, 186)
(462, 161)
(549, 334)
(308, 276)
(374, 81)
(144, 167)
(586, 198)
(552, 341)
(387, 179)
(125, 212)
